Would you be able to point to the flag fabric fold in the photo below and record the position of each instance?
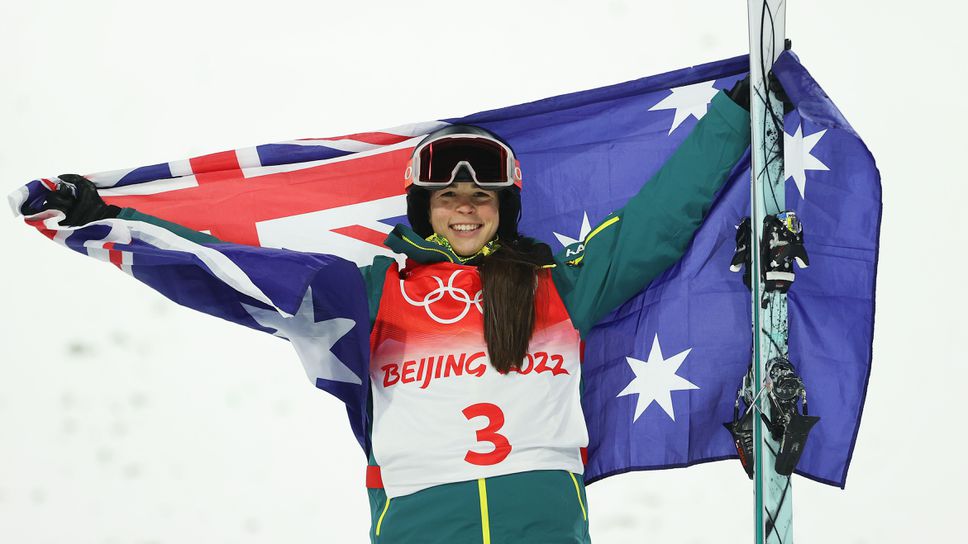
(660, 373)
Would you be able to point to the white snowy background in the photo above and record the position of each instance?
(127, 419)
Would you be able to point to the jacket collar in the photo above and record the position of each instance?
(434, 249)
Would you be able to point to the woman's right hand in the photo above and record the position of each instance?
(77, 197)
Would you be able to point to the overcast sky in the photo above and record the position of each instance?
(127, 419)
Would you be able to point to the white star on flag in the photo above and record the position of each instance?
(687, 100)
(313, 341)
(656, 379)
(797, 157)
(582, 233)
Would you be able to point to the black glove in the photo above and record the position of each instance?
(780, 92)
(77, 197)
(740, 93)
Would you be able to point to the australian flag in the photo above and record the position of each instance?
(660, 373)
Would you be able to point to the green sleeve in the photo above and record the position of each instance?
(637, 243)
(374, 276)
(132, 214)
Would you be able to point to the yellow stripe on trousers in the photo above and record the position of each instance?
(485, 521)
(380, 521)
(578, 491)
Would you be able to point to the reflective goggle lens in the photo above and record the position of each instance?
(488, 159)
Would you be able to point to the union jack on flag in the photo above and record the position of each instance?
(299, 218)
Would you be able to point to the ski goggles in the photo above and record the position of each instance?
(463, 157)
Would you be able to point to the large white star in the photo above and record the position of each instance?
(313, 341)
(797, 158)
(687, 100)
(656, 379)
(582, 233)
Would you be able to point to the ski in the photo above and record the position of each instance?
(773, 494)
(770, 416)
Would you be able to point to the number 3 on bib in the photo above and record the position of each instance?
(495, 420)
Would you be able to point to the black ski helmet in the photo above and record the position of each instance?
(509, 197)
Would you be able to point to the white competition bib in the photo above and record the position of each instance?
(441, 412)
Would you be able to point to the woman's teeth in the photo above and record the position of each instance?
(465, 227)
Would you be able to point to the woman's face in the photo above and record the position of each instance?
(466, 215)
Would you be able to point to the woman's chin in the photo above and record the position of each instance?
(465, 248)
(468, 252)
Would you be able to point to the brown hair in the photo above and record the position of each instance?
(509, 280)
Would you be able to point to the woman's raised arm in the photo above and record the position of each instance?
(632, 246)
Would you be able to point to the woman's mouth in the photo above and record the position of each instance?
(465, 228)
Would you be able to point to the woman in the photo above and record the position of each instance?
(476, 423)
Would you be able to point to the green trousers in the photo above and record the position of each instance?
(538, 507)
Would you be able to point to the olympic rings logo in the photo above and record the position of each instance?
(456, 293)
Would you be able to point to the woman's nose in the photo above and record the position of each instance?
(465, 205)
